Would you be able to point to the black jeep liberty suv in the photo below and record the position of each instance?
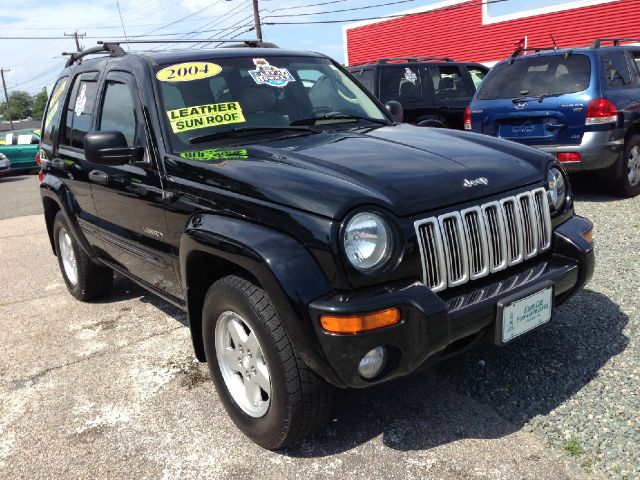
(314, 241)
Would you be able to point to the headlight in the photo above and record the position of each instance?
(367, 241)
(557, 188)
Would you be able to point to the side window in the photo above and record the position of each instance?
(367, 79)
(477, 75)
(400, 83)
(54, 111)
(119, 112)
(448, 83)
(636, 59)
(79, 113)
(615, 70)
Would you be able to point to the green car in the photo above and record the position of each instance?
(20, 147)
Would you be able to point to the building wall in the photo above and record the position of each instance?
(463, 29)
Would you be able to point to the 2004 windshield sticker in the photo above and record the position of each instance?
(267, 74)
(205, 116)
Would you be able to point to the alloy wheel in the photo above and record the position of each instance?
(242, 364)
(68, 256)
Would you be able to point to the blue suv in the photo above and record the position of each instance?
(582, 105)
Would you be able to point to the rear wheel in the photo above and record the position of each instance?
(267, 390)
(84, 279)
(628, 184)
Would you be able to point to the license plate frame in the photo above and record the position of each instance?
(510, 304)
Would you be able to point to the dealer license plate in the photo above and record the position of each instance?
(526, 314)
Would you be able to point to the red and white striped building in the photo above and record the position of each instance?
(465, 30)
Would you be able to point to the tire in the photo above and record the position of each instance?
(628, 183)
(298, 401)
(84, 279)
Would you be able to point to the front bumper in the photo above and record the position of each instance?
(433, 324)
(598, 150)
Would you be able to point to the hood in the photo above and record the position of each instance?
(404, 169)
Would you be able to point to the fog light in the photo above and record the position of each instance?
(373, 362)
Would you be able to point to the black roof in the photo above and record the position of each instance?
(169, 56)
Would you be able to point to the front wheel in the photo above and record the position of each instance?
(628, 184)
(84, 279)
(267, 390)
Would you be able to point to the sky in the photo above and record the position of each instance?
(36, 63)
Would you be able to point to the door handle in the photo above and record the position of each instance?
(99, 177)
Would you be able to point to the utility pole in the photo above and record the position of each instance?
(256, 19)
(6, 95)
(76, 37)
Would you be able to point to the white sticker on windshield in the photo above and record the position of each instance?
(266, 74)
(410, 76)
(81, 101)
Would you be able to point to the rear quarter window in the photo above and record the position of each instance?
(616, 70)
(54, 111)
(537, 75)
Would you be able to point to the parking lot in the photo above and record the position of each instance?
(111, 389)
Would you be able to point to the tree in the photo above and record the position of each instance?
(39, 104)
(21, 105)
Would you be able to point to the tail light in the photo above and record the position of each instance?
(467, 118)
(569, 157)
(38, 160)
(601, 111)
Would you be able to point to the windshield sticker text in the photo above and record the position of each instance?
(205, 116)
(266, 74)
(410, 76)
(188, 71)
(215, 154)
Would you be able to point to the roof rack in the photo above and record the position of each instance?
(414, 59)
(107, 47)
(518, 51)
(115, 50)
(616, 41)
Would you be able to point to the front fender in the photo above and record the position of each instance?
(282, 266)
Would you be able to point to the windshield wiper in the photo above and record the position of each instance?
(338, 116)
(539, 98)
(240, 130)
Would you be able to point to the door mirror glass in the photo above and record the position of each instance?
(395, 109)
(110, 148)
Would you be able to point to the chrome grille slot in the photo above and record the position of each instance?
(432, 253)
(477, 242)
(494, 221)
(513, 226)
(543, 218)
(529, 225)
(455, 248)
(460, 246)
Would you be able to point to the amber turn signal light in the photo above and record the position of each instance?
(360, 323)
(588, 235)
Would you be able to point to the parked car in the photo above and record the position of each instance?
(433, 91)
(21, 147)
(314, 241)
(5, 165)
(581, 105)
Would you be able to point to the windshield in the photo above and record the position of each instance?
(532, 77)
(210, 100)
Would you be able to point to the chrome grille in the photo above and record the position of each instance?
(460, 246)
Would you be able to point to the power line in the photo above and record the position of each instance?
(122, 22)
(305, 6)
(340, 10)
(185, 17)
(382, 17)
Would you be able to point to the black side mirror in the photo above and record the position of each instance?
(110, 148)
(395, 109)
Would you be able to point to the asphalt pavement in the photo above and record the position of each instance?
(19, 196)
(111, 389)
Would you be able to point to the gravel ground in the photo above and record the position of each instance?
(575, 383)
